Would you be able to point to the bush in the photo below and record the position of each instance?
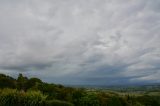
(149, 100)
(57, 103)
(12, 97)
(89, 100)
(115, 101)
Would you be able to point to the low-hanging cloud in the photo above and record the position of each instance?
(81, 41)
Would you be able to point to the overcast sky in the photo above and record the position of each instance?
(81, 41)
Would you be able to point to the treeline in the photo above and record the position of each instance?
(25, 91)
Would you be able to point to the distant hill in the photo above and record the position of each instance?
(23, 91)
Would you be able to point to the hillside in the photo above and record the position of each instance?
(25, 91)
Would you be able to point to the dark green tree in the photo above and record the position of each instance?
(22, 82)
(32, 82)
(7, 82)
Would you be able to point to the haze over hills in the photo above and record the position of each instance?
(79, 53)
(24, 91)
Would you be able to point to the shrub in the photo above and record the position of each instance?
(57, 103)
(12, 97)
(115, 101)
(89, 100)
(149, 100)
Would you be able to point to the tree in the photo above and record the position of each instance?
(22, 82)
(32, 82)
(7, 82)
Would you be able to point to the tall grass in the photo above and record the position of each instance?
(13, 97)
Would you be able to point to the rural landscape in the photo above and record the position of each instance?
(25, 91)
(79, 52)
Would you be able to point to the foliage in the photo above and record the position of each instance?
(25, 91)
(22, 82)
(7, 82)
(57, 103)
(13, 97)
(89, 100)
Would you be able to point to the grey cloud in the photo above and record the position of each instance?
(93, 41)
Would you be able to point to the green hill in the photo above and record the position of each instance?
(25, 91)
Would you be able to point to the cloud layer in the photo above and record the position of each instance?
(81, 41)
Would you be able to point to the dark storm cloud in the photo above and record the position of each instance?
(81, 41)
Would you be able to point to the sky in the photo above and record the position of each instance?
(95, 42)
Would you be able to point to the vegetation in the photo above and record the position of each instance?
(25, 91)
